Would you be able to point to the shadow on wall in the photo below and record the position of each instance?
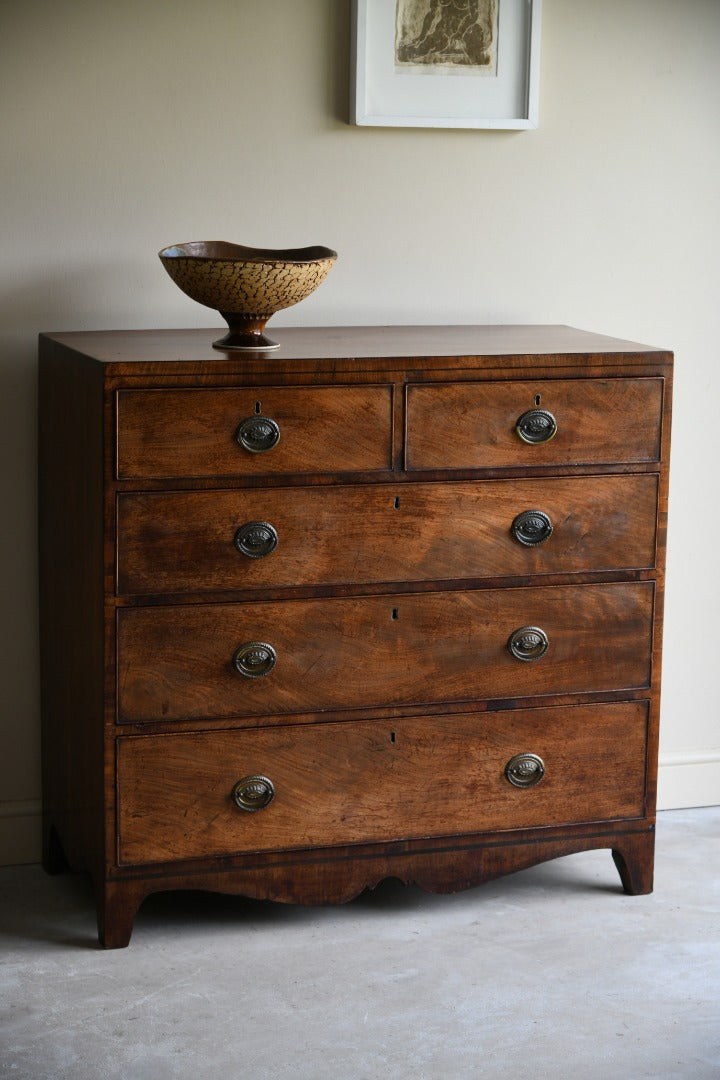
(70, 298)
(19, 729)
(338, 51)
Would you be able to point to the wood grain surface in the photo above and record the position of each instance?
(344, 653)
(472, 425)
(184, 541)
(394, 704)
(371, 781)
(166, 433)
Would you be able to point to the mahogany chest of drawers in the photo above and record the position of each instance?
(386, 602)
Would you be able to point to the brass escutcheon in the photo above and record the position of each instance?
(255, 659)
(256, 539)
(528, 643)
(525, 770)
(536, 426)
(258, 434)
(531, 528)
(253, 793)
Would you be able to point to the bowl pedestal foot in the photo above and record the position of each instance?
(245, 334)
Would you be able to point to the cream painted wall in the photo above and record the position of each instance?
(130, 125)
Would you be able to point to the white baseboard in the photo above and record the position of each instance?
(689, 778)
(685, 779)
(20, 832)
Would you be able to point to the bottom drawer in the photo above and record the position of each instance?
(367, 781)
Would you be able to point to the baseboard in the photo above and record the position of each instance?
(20, 832)
(685, 779)
(689, 778)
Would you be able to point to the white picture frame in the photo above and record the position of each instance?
(385, 93)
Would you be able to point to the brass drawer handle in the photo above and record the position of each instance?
(258, 434)
(525, 770)
(536, 426)
(255, 659)
(256, 539)
(528, 643)
(531, 528)
(253, 793)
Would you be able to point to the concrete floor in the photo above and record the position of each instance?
(551, 973)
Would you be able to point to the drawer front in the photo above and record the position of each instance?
(374, 781)
(474, 425)
(196, 541)
(186, 661)
(202, 433)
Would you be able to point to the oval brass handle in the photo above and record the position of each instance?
(525, 770)
(253, 793)
(536, 426)
(256, 539)
(528, 643)
(255, 659)
(531, 528)
(258, 434)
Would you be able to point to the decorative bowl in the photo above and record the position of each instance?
(246, 285)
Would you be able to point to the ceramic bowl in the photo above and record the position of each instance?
(246, 285)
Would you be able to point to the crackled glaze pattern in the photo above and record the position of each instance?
(247, 287)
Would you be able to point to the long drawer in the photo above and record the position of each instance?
(297, 656)
(567, 422)
(250, 539)
(186, 795)
(253, 431)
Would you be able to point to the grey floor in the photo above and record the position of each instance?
(550, 973)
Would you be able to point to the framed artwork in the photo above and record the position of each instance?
(446, 63)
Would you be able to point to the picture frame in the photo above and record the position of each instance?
(445, 63)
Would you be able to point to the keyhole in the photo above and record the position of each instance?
(394, 613)
(396, 504)
(392, 736)
(537, 399)
(258, 408)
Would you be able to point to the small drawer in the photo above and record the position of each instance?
(200, 541)
(194, 795)
(554, 422)
(304, 656)
(253, 431)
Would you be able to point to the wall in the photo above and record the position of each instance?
(128, 126)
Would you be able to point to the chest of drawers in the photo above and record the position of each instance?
(387, 602)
